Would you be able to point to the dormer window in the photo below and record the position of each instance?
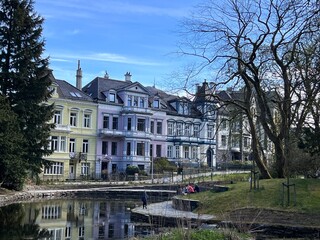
(156, 103)
(112, 97)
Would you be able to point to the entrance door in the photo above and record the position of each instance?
(71, 172)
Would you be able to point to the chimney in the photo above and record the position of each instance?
(197, 88)
(79, 76)
(127, 77)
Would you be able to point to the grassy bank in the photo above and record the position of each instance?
(268, 196)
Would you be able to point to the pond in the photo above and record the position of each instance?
(70, 219)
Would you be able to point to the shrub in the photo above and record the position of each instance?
(131, 170)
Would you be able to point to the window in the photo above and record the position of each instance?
(129, 101)
(170, 151)
(54, 143)
(113, 148)
(186, 151)
(51, 212)
(152, 127)
(179, 129)
(140, 149)
(210, 131)
(62, 144)
(128, 148)
(158, 150)
(56, 168)
(141, 124)
(72, 145)
(112, 97)
(55, 233)
(151, 150)
(223, 140)
(159, 127)
(104, 149)
(129, 124)
(141, 102)
(196, 130)
(135, 101)
(115, 121)
(187, 130)
(177, 152)
(194, 152)
(156, 103)
(58, 143)
(67, 233)
(57, 117)
(224, 124)
(235, 142)
(170, 128)
(111, 230)
(85, 168)
(246, 142)
(73, 119)
(86, 120)
(85, 145)
(105, 122)
(81, 232)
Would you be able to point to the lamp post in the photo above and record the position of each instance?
(151, 161)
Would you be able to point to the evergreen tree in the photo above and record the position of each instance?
(25, 78)
(12, 166)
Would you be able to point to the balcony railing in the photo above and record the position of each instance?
(63, 128)
(130, 109)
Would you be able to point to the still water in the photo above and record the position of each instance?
(69, 219)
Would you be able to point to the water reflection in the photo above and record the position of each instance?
(67, 219)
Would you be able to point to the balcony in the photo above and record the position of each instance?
(62, 128)
(112, 132)
(131, 109)
(184, 139)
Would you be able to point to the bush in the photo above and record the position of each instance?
(131, 170)
(163, 165)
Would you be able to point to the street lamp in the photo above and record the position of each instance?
(151, 161)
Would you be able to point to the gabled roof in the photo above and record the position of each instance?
(99, 85)
(67, 91)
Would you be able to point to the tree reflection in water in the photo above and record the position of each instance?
(12, 224)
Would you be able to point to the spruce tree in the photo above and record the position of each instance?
(12, 167)
(25, 78)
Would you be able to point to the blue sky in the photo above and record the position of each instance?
(116, 36)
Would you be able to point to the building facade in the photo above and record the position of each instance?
(73, 140)
(111, 124)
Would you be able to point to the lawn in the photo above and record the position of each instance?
(268, 196)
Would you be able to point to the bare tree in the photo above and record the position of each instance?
(256, 45)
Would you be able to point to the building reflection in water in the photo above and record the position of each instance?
(82, 219)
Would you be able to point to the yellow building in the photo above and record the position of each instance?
(74, 138)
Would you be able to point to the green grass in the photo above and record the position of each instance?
(199, 234)
(269, 195)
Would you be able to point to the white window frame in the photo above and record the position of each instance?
(73, 119)
(85, 168)
(177, 151)
(186, 151)
(87, 120)
(85, 145)
(170, 129)
(72, 145)
(56, 168)
(57, 118)
(169, 151)
(58, 143)
(179, 129)
(112, 97)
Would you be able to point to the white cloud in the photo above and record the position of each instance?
(103, 57)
